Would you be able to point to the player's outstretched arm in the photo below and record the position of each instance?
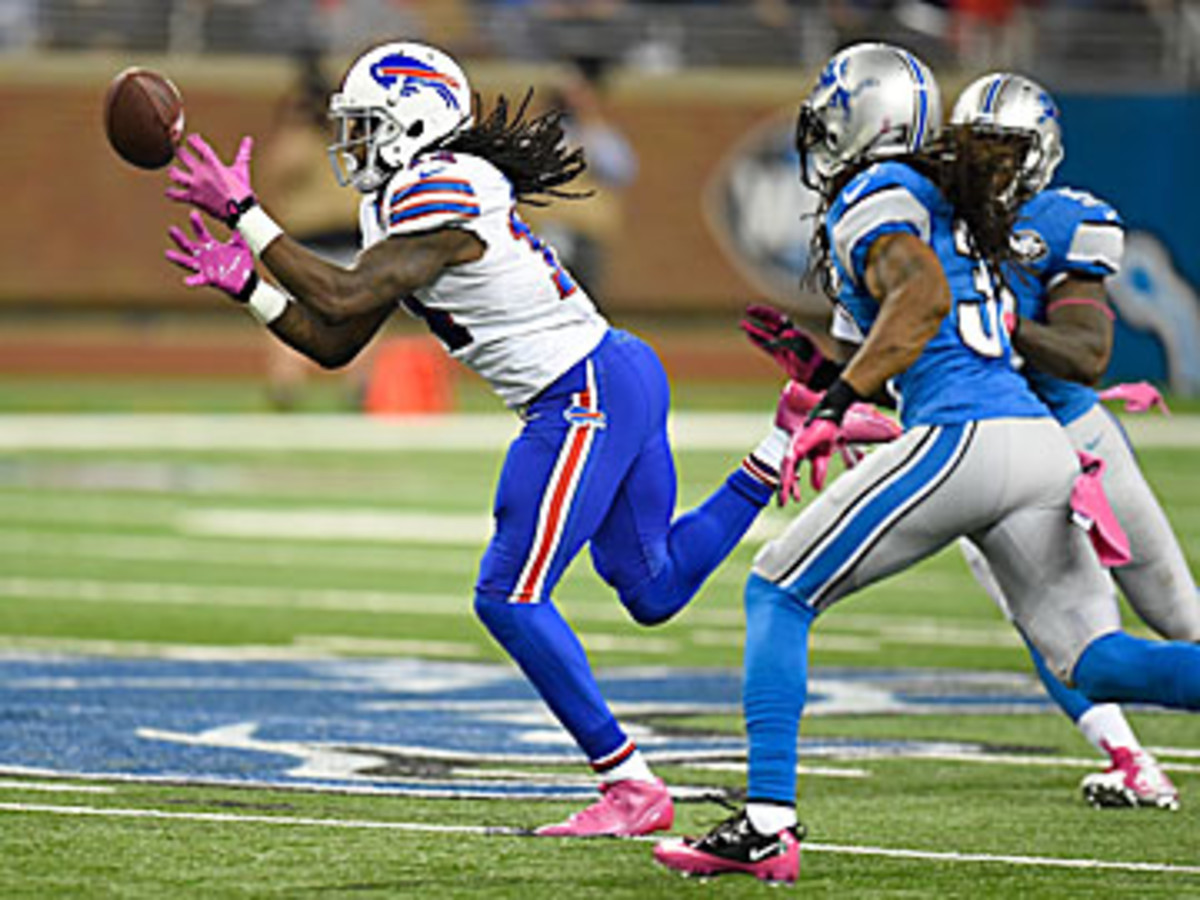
(381, 277)
(1075, 342)
(228, 266)
(905, 276)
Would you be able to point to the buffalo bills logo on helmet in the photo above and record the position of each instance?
(414, 75)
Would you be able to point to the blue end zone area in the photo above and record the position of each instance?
(405, 726)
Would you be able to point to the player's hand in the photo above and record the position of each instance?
(816, 442)
(1139, 397)
(205, 182)
(797, 354)
(225, 265)
(859, 423)
(864, 424)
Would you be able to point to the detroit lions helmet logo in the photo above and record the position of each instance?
(413, 76)
(1029, 246)
(1049, 110)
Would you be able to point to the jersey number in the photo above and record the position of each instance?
(441, 323)
(563, 282)
(981, 321)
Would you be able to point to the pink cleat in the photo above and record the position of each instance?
(625, 809)
(1134, 779)
(734, 846)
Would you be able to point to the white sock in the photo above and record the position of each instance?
(1105, 724)
(634, 768)
(773, 447)
(770, 818)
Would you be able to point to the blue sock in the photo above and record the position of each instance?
(541, 642)
(698, 542)
(1072, 702)
(1118, 668)
(776, 687)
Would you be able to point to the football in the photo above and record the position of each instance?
(143, 117)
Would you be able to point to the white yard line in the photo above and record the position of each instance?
(357, 433)
(433, 828)
(55, 788)
(144, 548)
(334, 525)
(156, 593)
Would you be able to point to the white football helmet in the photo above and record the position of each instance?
(871, 101)
(395, 100)
(1008, 102)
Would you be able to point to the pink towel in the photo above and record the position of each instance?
(1091, 511)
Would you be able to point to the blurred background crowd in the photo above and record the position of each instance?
(1105, 39)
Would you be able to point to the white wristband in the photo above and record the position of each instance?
(258, 228)
(267, 303)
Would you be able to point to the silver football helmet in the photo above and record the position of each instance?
(871, 101)
(1008, 102)
(396, 100)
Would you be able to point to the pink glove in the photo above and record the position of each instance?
(1139, 397)
(863, 423)
(814, 441)
(795, 352)
(204, 181)
(227, 266)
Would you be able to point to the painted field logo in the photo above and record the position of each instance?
(406, 726)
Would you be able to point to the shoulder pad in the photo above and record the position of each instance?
(430, 193)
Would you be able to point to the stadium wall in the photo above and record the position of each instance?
(710, 222)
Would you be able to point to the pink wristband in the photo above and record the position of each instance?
(1082, 301)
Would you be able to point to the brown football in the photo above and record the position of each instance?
(143, 117)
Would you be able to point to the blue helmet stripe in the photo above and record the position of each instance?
(993, 91)
(923, 97)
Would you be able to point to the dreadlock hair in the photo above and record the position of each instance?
(528, 151)
(975, 169)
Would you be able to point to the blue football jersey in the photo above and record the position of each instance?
(965, 372)
(1062, 233)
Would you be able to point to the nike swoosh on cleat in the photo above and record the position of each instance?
(763, 852)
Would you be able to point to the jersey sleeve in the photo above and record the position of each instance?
(1086, 237)
(882, 200)
(430, 196)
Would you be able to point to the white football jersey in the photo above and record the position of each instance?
(515, 315)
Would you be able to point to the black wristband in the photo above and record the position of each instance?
(825, 375)
(236, 209)
(839, 398)
(243, 296)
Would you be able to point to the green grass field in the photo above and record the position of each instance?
(151, 552)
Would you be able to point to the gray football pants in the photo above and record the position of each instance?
(1004, 483)
(1157, 581)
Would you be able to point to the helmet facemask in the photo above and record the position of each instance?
(816, 142)
(1045, 153)
(361, 134)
